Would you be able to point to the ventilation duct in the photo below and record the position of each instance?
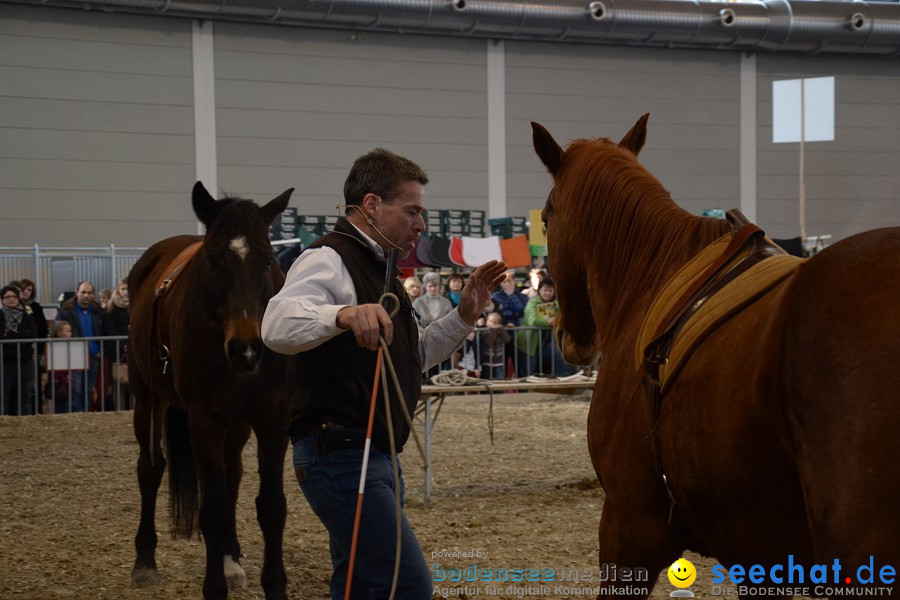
(775, 25)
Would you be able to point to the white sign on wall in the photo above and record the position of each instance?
(816, 97)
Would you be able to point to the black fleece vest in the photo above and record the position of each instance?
(334, 380)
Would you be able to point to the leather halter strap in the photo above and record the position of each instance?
(175, 268)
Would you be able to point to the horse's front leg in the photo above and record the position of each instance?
(271, 505)
(150, 468)
(632, 538)
(234, 470)
(208, 439)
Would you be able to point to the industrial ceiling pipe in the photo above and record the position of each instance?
(811, 26)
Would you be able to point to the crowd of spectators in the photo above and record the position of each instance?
(35, 379)
(513, 337)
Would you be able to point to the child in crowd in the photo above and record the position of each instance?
(537, 348)
(492, 341)
(56, 391)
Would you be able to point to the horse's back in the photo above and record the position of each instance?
(840, 377)
(155, 258)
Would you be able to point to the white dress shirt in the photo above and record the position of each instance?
(303, 314)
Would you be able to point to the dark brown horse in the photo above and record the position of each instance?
(202, 377)
(780, 435)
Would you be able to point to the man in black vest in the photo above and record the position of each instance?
(335, 286)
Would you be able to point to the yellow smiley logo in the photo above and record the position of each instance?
(682, 573)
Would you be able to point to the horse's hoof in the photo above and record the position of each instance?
(142, 577)
(235, 575)
(236, 583)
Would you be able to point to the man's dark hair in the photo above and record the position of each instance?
(380, 172)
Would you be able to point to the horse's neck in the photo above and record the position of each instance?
(625, 297)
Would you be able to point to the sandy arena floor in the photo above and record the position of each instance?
(69, 507)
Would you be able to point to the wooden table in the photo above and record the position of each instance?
(427, 411)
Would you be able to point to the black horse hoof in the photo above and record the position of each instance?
(142, 577)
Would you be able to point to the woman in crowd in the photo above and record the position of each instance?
(413, 287)
(17, 358)
(28, 293)
(431, 306)
(454, 286)
(117, 315)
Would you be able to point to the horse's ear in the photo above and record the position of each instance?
(634, 139)
(275, 206)
(550, 153)
(205, 206)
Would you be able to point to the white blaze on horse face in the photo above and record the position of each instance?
(239, 245)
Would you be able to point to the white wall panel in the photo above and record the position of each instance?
(296, 107)
(852, 183)
(96, 130)
(588, 91)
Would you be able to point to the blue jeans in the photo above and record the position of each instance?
(330, 483)
(82, 391)
(548, 361)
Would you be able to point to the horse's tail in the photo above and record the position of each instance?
(183, 489)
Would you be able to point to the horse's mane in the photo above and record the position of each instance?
(617, 213)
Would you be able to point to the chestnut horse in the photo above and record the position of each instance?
(201, 376)
(780, 435)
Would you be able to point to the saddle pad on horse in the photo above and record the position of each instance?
(745, 289)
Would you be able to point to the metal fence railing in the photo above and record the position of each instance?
(55, 375)
(529, 351)
(61, 375)
(58, 270)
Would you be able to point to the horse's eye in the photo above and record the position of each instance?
(268, 263)
(212, 261)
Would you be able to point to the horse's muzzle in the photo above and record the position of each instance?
(244, 355)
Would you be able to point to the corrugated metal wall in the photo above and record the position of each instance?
(96, 128)
(97, 138)
(296, 107)
(591, 91)
(853, 182)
